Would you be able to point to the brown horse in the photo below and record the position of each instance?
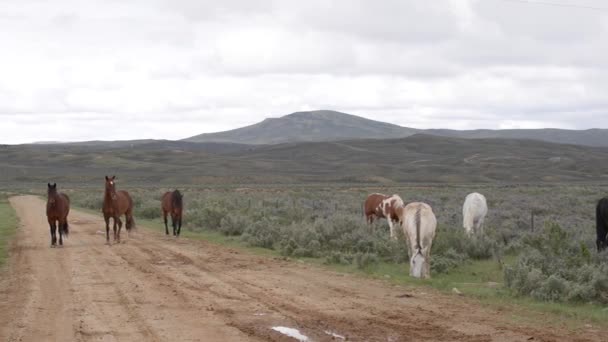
(57, 210)
(171, 202)
(115, 204)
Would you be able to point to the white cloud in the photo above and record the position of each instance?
(75, 70)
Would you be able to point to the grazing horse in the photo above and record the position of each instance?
(474, 212)
(57, 210)
(383, 206)
(171, 203)
(418, 223)
(601, 219)
(115, 204)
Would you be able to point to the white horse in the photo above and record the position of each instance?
(419, 223)
(474, 212)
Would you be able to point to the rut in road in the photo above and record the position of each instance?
(157, 288)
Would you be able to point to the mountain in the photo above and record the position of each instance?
(320, 125)
(419, 158)
(327, 125)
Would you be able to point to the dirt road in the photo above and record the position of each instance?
(155, 288)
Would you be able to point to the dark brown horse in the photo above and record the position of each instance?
(171, 203)
(115, 204)
(57, 210)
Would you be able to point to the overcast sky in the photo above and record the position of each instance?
(125, 69)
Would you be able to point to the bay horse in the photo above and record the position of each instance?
(383, 206)
(171, 203)
(115, 204)
(57, 210)
(601, 227)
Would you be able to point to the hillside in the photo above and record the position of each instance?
(326, 125)
(415, 159)
(589, 137)
(321, 125)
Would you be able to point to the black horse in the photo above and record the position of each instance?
(601, 218)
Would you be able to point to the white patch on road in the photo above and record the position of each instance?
(291, 332)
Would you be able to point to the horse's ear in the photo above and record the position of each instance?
(107, 178)
(113, 177)
(54, 185)
(49, 184)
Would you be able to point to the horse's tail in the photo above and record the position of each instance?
(130, 224)
(65, 229)
(418, 247)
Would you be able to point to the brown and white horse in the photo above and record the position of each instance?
(382, 206)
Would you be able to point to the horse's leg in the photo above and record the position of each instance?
(165, 218)
(179, 228)
(174, 224)
(391, 225)
(120, 226)
(52, 228)
(61, 233)
(114, 226)
(107, 218)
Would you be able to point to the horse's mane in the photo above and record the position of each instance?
(176, 199)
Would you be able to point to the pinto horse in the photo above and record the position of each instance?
(382, 206)
(115, 204)
(57, 210)
(171, 203)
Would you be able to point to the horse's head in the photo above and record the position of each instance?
(177, 198)
(51, 192)
(417, 264)
(111, 186)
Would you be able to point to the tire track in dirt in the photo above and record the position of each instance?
(157, 288)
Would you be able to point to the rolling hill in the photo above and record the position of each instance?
(326, 125)
(321, 125)
(419, 158)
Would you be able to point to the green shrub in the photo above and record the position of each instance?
(554, 266)
(234, 224)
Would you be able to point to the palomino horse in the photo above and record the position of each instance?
(419, 224)
(171, 203)
(115, 204)
(383, 206)
(57, 210)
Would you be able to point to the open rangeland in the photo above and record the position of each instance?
(157, 288)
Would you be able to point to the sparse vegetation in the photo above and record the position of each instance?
(327, 224)
(8, 224)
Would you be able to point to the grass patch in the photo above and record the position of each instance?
(8, 226)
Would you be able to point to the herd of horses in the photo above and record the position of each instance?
(419, 224)
(416, 219)
(115, 205)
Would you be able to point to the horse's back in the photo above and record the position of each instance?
(475, 204)
(372, 202)
(66, 199)
(125, 201)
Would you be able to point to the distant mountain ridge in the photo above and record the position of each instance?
(328, 125)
